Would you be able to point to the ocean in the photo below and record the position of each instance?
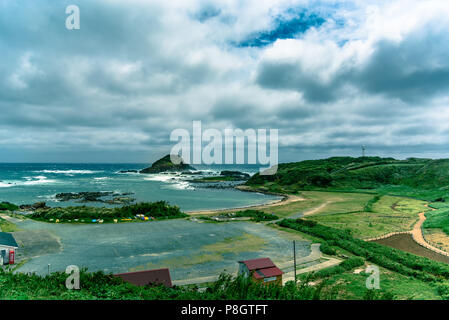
(30, 183)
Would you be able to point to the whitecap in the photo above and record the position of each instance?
(161, 177)
(69, 172)
(30, 181)
(6, 185)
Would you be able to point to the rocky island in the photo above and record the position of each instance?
(166, 165)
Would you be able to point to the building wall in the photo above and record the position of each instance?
(7, 253)
(278, 281)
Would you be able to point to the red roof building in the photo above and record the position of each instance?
(262, 269)
(148, 277)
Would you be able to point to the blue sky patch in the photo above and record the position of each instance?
(288, 26)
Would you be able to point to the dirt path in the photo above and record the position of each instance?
(418, 236)
(416, 233)
(316, 209)
(310, 211)
(286, 200)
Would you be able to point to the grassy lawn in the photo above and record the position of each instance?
(7, 226)
(389, 214)
(436, 226)
(335, 202)
(352, 286)
(348, 211)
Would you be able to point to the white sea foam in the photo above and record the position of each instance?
(69, 172)
(5, 185)
(161, 177)
(37, 181)
(102, 178)
(182, 185)
(174, 180)
(30, 181)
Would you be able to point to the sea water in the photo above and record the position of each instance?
(30, 183)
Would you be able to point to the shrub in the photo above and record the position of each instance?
(257, 215)
(389, 258)
(8, 206)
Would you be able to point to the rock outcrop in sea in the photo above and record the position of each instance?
(166, 165)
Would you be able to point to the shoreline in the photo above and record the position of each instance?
(285, 199)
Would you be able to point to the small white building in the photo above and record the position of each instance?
(8, 247)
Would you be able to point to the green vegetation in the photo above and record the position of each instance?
(404, 270)
(439, 218)
(370, 203)
(7, 226)
(426, 179)
(107, 287)
(6, 206)
(351, 286)
(395, 260)
(346, 265)
(157, 210)
(256, 215)
(387, 214)
(330, 203)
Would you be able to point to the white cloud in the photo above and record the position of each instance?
(372, 73)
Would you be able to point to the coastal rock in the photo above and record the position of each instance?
(128, 171)
(35, 206)
(235, 174)
(83, 196)
(120, 200)
(104, 196)
(39, 205)
(166, 165)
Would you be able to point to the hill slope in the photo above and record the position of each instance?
(358, 174)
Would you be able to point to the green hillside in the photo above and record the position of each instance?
(423, 178)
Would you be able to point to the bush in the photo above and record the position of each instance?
(346, 265)
(389, 258)
(158, 210)
(327, 249)
(99, 285)
(256, 215)
(8, 206)
(370, 203)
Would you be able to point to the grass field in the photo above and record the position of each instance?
(352, 286)
(366, 215)
(7, 226)
(336, 202)
(389, 214)
(436, 226)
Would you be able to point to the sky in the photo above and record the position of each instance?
(329, 75)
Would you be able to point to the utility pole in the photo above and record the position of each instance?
(363, 151)
(294, 257)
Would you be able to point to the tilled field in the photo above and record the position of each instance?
(406, 243)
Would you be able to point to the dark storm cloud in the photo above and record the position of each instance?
(412, 70)
(329, 75)
(291, 77)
